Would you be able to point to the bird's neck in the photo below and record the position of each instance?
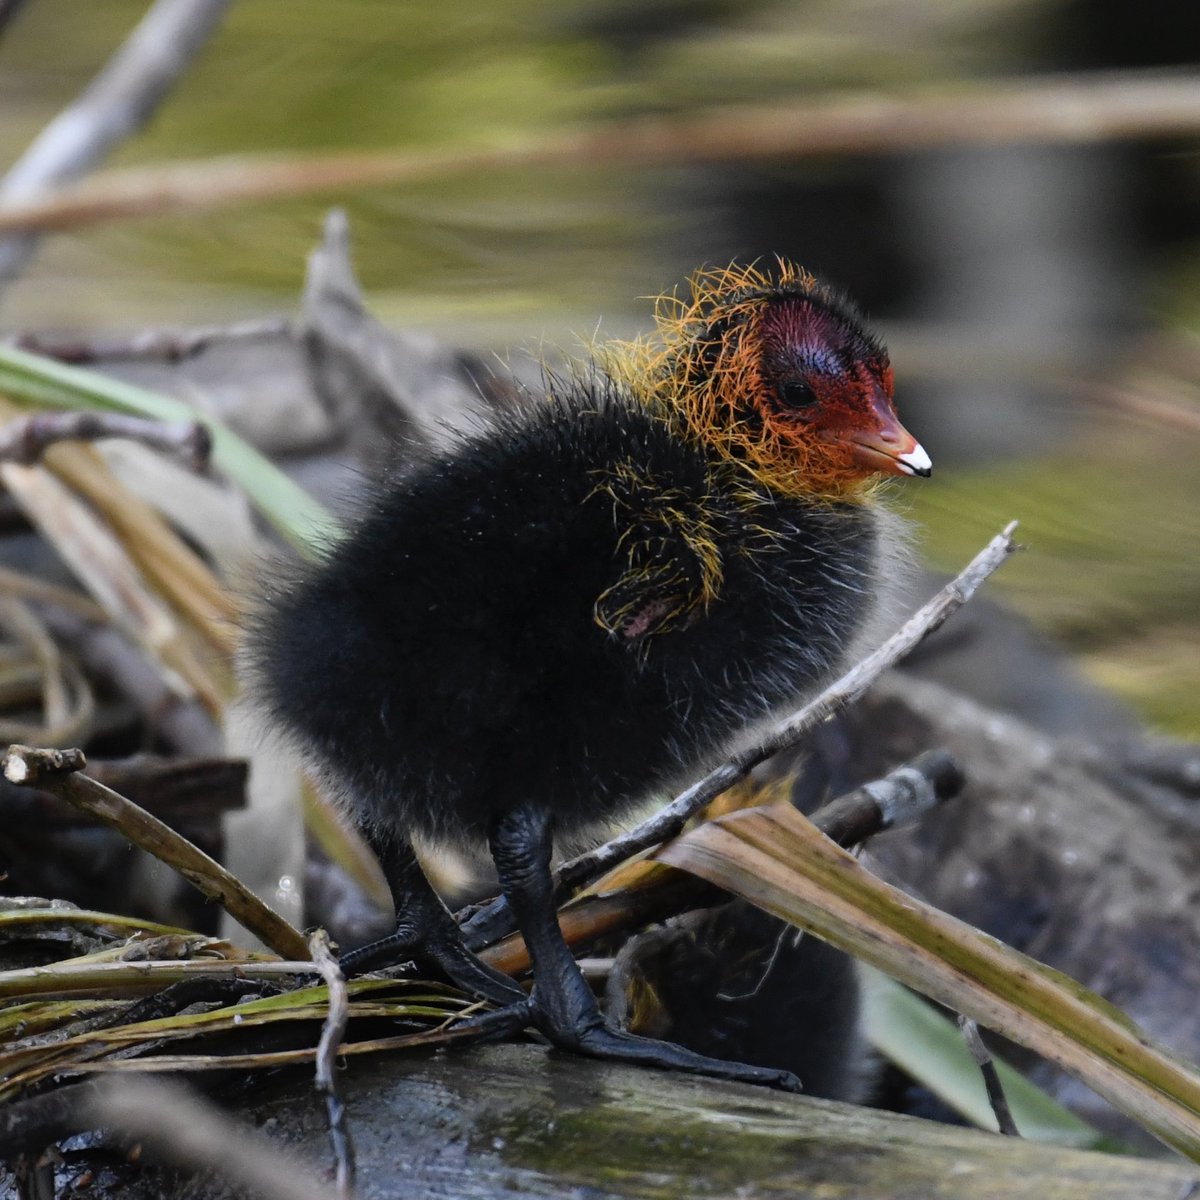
(763, 457)
(681, 391)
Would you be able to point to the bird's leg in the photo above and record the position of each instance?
(564, 1008)
(425, 931)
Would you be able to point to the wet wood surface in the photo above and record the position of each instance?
(520, 1121)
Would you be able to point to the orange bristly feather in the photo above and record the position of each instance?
(703, 372)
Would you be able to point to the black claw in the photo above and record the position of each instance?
(596, 1040)
(472, 974)
(564, 1008)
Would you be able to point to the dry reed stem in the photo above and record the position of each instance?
(57, 772)
(1085, 108)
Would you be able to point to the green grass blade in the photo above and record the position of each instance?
(36, 380)
(928, 1046)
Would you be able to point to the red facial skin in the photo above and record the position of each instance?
(778, 375)
(827, 384)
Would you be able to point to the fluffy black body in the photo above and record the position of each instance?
(453, 658)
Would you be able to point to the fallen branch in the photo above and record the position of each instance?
(153, 345)
(118, 102)
(1084, 109)
(510, 1120)
(56, 771)
(333, 1032)
(26, 439)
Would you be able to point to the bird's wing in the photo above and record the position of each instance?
(668, 558)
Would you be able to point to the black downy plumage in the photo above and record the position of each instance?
(588, 603)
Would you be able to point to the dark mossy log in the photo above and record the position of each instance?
(521, 1121)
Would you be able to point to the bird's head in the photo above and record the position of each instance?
(779, 375)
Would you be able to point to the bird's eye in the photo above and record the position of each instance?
(796, 393)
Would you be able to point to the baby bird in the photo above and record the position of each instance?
(587, 603)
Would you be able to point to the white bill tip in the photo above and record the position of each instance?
(916, 461)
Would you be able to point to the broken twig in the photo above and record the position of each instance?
(991, 1077)
(153, 345)
(894, 801)
(56, 771)
(333, 1033)
(26, 439)
(118, 102)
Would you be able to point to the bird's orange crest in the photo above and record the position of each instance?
(704, 370)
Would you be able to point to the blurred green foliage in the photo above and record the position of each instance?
(1110, 512)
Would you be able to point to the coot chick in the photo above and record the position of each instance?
(587, 603)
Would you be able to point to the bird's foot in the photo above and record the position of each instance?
(443, 952)
(577, 1025)
(602, 1042)
(592, 1038)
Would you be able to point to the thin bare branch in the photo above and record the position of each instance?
(153, 345)
(991, 1077)
(644, 892)
(333, 1033)
(485, 924)
(56, 771)
(1085, 108)
(26, 439)
(669, 821)
(1088, 107)
(118, 102)
(194, 793)
(179, 1126)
